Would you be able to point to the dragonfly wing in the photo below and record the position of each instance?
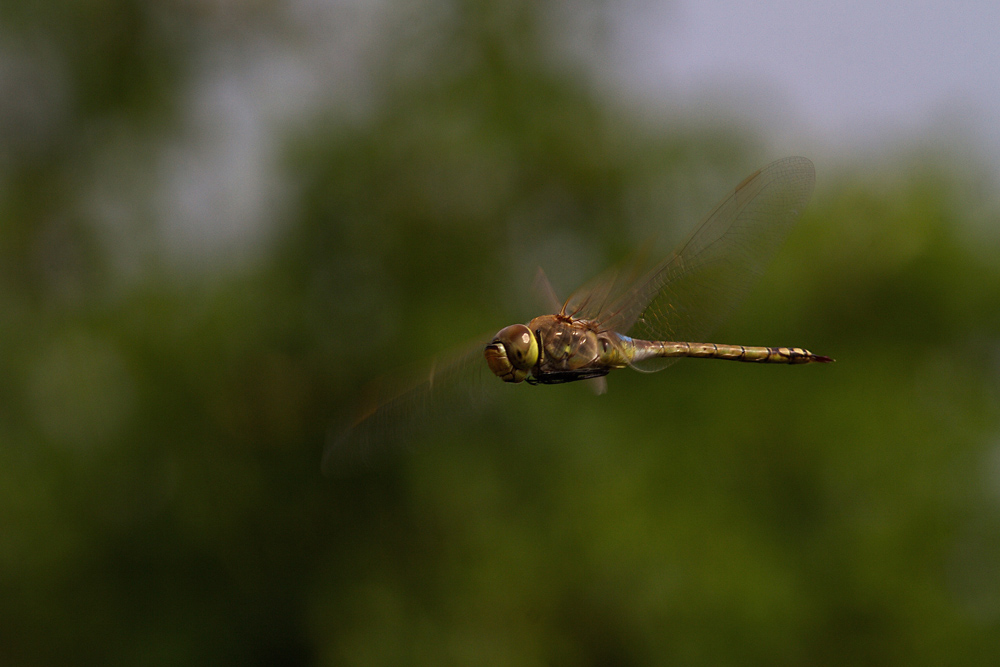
(686, 296)
(600, 293)
(545, 292)
(393, 412)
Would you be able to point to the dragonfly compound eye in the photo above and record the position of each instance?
(512, 353)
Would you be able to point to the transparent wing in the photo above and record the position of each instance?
(391, 413)
(544, 291)
(687, 295)
(598, 294)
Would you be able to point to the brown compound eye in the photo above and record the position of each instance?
(512, 353)
(522, 350)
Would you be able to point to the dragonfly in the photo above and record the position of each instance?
(644, 320)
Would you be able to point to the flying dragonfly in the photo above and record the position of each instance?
(644, 321)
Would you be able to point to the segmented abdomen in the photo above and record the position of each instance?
(761, 355)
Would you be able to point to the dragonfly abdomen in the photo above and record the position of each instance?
(760, 355)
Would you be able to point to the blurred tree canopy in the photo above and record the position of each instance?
(167, 395)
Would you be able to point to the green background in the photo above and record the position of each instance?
(162, 418)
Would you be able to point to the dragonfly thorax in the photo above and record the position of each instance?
(566, 344)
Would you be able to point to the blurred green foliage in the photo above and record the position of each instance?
(160, 433)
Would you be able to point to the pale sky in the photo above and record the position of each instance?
(851, 73)
(836, 81)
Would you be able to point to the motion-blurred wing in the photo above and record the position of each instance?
(392, 412)
(687, 295)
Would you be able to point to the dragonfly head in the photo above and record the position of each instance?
(512, 354)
